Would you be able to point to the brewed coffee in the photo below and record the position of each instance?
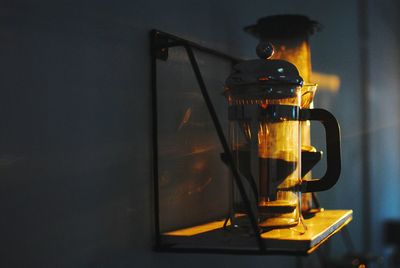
(309, 160)
(273, 171)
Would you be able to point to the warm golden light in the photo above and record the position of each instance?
(329, 82)
(297, 54)
(199, 229)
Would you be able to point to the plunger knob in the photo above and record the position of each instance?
(264, 50)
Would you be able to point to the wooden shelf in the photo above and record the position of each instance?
(210, 237)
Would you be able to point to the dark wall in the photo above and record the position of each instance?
(384, 128)
(75, 147)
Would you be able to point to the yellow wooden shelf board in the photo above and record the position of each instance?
(320, 228)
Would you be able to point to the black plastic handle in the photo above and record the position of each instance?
(333, 158)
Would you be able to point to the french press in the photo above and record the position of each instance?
(264, 98)
(289, 34)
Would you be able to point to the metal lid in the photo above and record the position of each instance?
(263, 78)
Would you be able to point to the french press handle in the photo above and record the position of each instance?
(333, 158)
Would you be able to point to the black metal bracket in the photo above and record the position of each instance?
(160, 44)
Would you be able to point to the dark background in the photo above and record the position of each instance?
(75, 117)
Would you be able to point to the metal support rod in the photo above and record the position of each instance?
(348, 242)
(233, 251)
(225, 145)
(155, 141)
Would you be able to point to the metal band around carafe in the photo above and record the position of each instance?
(272, 113)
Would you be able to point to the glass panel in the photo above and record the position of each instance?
(193, 181)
